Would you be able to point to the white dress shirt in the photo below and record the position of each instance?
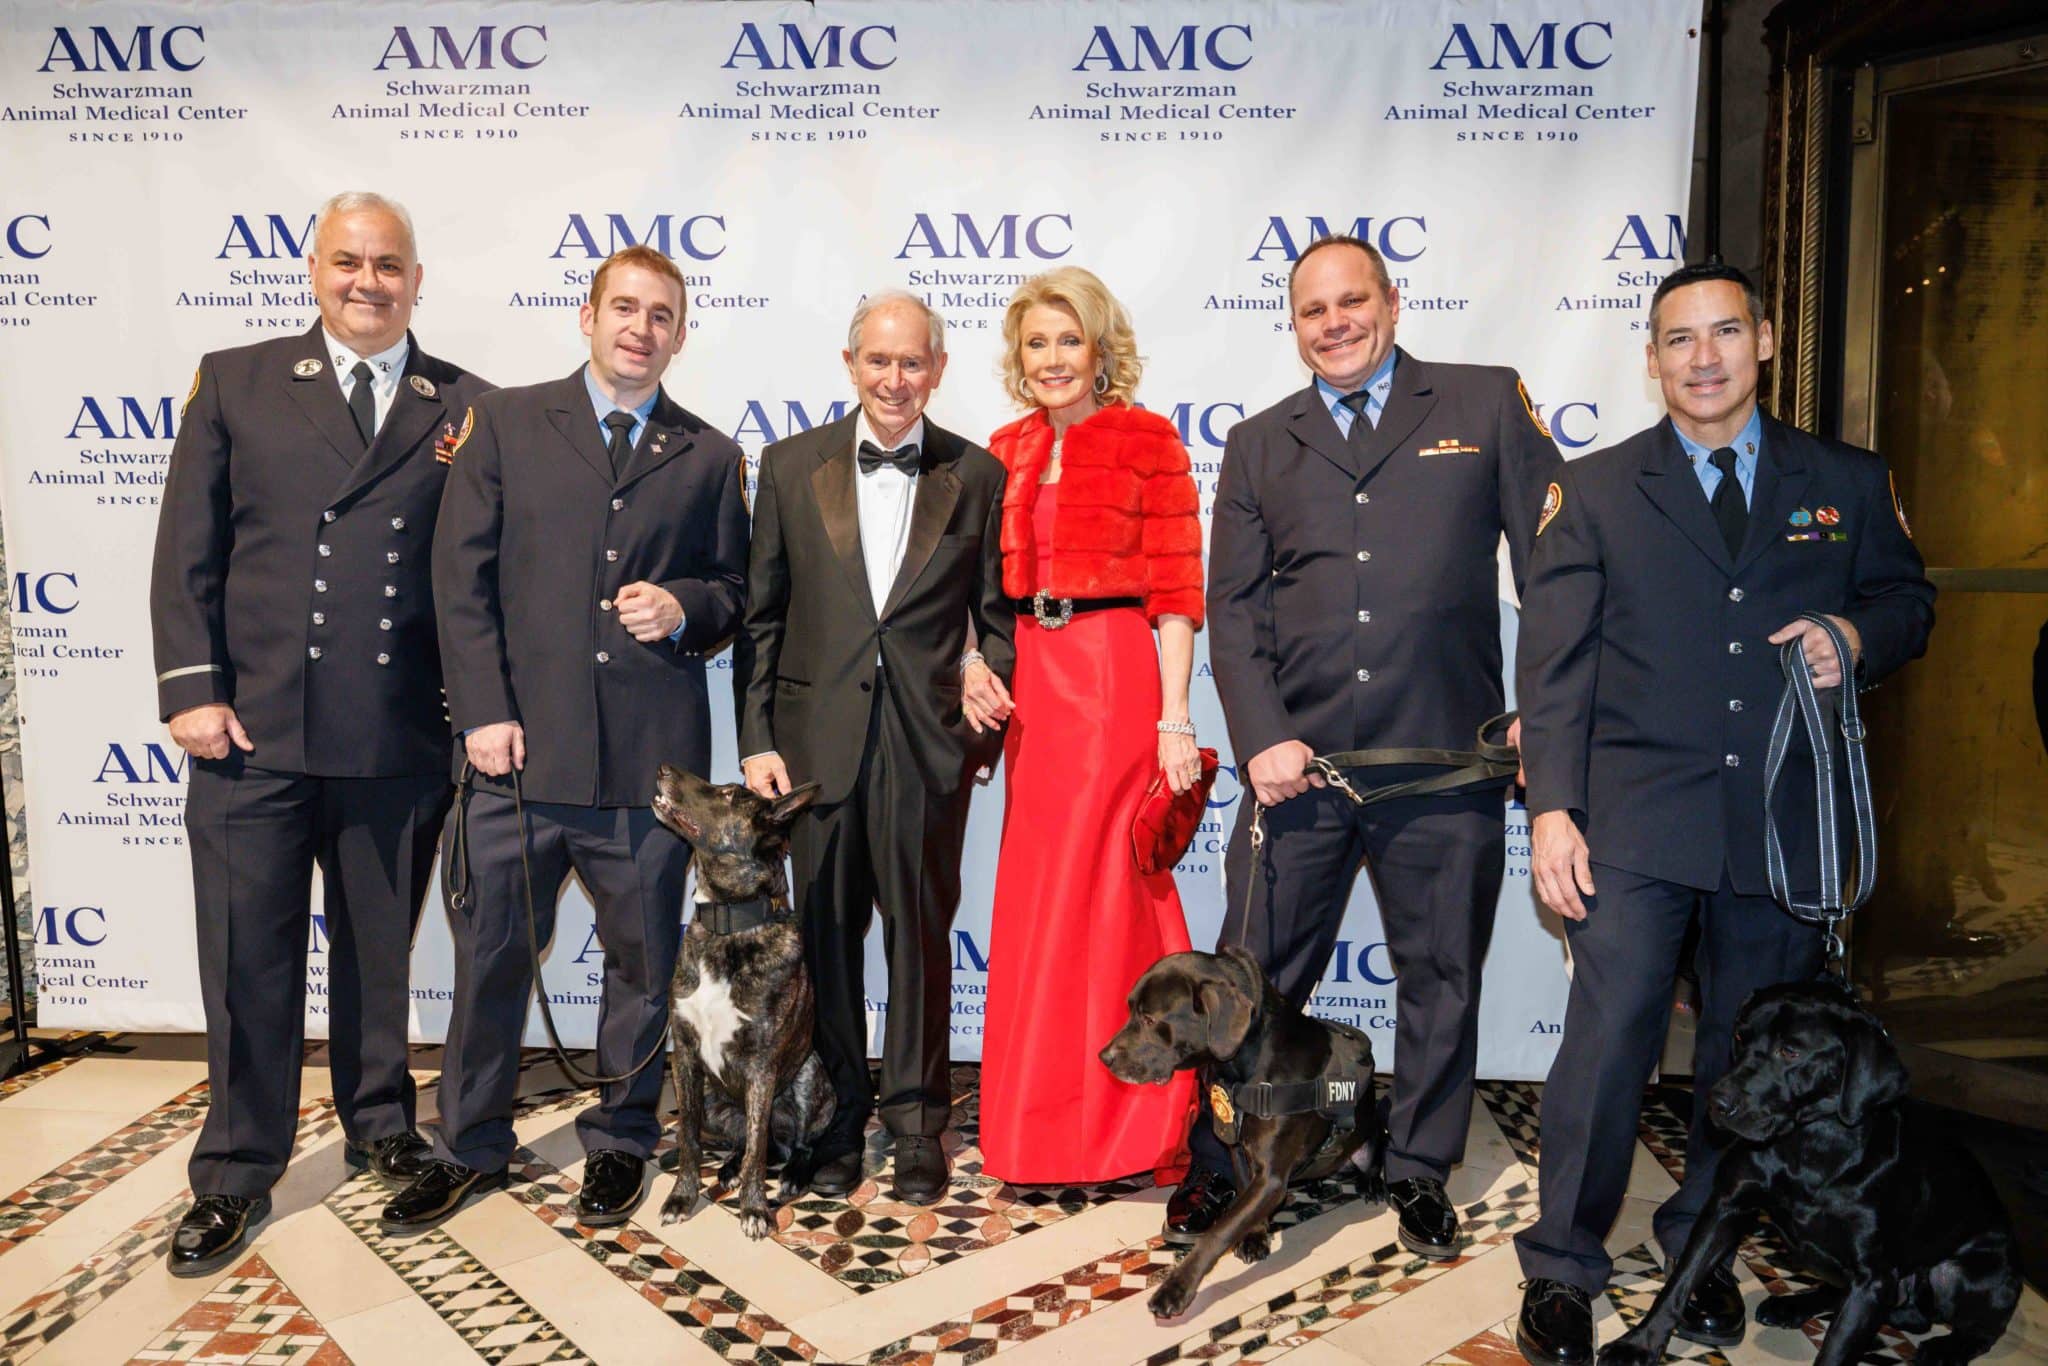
(385, 369)
(884, 498)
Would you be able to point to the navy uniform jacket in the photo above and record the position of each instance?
(1646, 678)
(536, 538)
(1354, 600)
(805, 666)
(291, 577)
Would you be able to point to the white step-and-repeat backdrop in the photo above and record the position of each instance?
(1523, 166)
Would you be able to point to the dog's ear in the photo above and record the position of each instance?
(1228, 1011)
(1872, 1074)
(1247, 967)
(785, 808)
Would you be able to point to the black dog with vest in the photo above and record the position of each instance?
(1292, 1095)
(740, 1004)
(1900, 1224)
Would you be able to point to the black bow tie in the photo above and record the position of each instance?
(873, 457)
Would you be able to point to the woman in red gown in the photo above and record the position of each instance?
(1102, 543)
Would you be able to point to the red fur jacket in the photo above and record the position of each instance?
(1127, 523)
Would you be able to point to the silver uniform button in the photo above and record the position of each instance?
(391, 557)
(1365, 616)
(390, 590)
(398, 523)
(611, 555)
(328, 515)
(1365, 675)
(1735, 704)
(604, 604)
(1734, 760)
(319, 585)
(1364, 555)
(604, 656)
(319, 618)
(1734, 647)
(618, 505)
(384, 623)
(383, 659)
(326, 550)
(1361, 497)
(1735, 595)
(312, 652)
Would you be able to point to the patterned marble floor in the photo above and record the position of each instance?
(94, 1153)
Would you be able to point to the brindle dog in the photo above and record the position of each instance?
(740, 1004)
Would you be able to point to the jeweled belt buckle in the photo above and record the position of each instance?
(1040, 600)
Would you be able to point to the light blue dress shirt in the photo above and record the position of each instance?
(603, 405)
(1747, 443)
(1376, 389)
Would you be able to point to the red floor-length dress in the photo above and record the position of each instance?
(1075, 923)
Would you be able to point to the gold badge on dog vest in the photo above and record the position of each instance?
(1553, 503)
(1223, 1112)
(422, 386)
(1530, 409)
(307, 368)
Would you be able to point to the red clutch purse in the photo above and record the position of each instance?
(1166, 821)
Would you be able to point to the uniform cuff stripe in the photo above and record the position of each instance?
(169, 674)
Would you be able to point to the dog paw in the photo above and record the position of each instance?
(756, 1223)
(682, 1202)
(1795, 1310)
(729, 1174)
(1628, 1353)
(1172, 1298)
(1254, 1247)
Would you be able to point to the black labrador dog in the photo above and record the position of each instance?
(1900, 1224)
(740, 1003)
(1218, 1013)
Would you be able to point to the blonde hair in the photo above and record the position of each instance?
(1103, 321)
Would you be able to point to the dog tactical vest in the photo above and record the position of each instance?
(1336, 1093)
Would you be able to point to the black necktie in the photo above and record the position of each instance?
(1729, 510)
(620, 449)
(873, 457)
(362, 404)
(1361, 425)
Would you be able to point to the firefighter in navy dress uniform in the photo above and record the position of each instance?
(297, 663)
(1667, 572)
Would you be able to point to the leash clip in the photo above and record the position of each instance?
(1335, 778)
(1853, 729)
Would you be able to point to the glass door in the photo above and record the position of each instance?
(1946, 373)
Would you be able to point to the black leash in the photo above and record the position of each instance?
(1487, 764)
(458, 876)
(1803, 701)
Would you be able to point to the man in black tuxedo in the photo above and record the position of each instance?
(1354, 604)
(875, 549)
(1667, 570)
(592, 550)
(297, 665)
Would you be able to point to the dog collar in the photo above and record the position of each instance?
(735, 917)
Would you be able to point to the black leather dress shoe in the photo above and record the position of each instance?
(1713, 1315)
(613, 1183)
(213, 1231)
(397, 1160)
(438, 1192)
(1200, 1197)
(837, 1176)
(1555, 1327)
(920, 1169)
(1429, 1226)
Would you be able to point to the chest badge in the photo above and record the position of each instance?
(1553, 503)
(1800, 517)
(308, 368)
(1827, 516)
(1450, 445)
(423, 386)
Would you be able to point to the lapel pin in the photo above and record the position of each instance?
(307, 368)
(1827, 516)
(1800, 517)
(423, 386)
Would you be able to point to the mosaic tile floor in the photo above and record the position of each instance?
(1031, 1273)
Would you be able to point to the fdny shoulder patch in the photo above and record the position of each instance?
(450, 441)
(1530, 408)
(199, 370)
(1553, 503)
(1898, 505)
